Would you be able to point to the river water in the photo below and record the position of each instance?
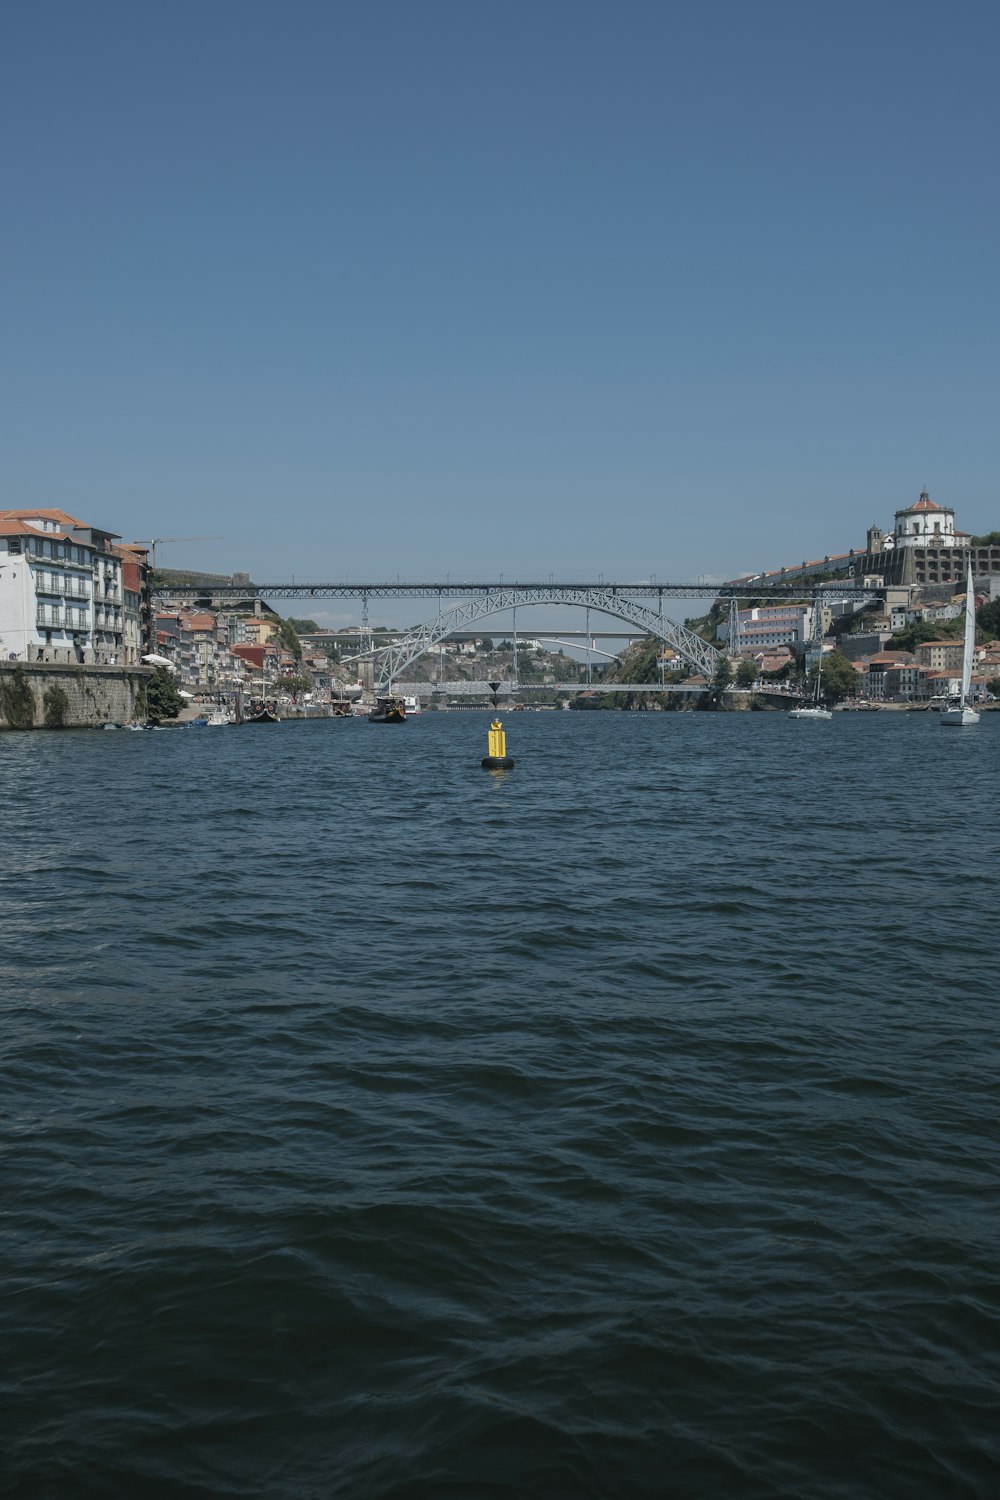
(624, 1125)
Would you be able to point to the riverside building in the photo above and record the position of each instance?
(63, 590)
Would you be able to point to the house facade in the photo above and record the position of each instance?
(939, 656)
(61, 589)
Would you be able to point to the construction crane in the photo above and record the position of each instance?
(154, 542)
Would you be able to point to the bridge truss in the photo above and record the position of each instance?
(698, 653)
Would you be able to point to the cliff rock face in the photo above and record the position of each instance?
(44, 695)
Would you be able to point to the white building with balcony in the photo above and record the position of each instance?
(60, 589)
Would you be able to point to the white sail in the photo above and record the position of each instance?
(960, 710)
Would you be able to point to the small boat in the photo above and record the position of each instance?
(265, 715)
(810, 711)
(411, 706)
(388, 711)
(217, 720)
(816, 709)
(960, 711)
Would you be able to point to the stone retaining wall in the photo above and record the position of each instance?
(44, 695)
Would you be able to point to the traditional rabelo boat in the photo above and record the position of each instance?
(388, 711)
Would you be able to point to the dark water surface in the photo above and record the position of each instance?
(626, 1125)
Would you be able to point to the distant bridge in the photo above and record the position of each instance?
(630, 602)
(465, 689)
(528, 593)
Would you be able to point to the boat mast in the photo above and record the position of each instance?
(970, 639)
(817, 636)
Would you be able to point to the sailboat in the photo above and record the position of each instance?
(960, 710)
(815, 709)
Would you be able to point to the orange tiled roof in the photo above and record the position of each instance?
(42, 513)
(16, 527)
(924, 503)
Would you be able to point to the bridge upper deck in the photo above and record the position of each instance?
(528, 592)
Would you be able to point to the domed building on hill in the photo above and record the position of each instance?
(925, 547)
(927, 524)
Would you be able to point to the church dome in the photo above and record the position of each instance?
(924, 503)
(925, 524)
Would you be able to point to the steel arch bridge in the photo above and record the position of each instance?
(690, 648)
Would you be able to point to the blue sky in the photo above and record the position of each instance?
(554, 287)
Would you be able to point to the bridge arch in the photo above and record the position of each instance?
(698, 653)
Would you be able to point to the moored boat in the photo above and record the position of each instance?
(816, 709)
(388, 711)
(264, 715)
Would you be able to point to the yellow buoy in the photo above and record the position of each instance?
(497, 759)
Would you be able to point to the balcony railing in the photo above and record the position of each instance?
(58, 586)
(49, 617)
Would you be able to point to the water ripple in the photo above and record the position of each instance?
(625, 1126)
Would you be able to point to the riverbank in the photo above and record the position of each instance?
(52, 695)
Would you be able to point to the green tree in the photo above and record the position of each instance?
(746, 673)
(991, 539)
(988, 618)
(924, 630)
(840, 677)
(302, 627)
(163, 699)
(299, 682)
(723, 674)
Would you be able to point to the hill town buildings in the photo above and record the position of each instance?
(924, 548)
